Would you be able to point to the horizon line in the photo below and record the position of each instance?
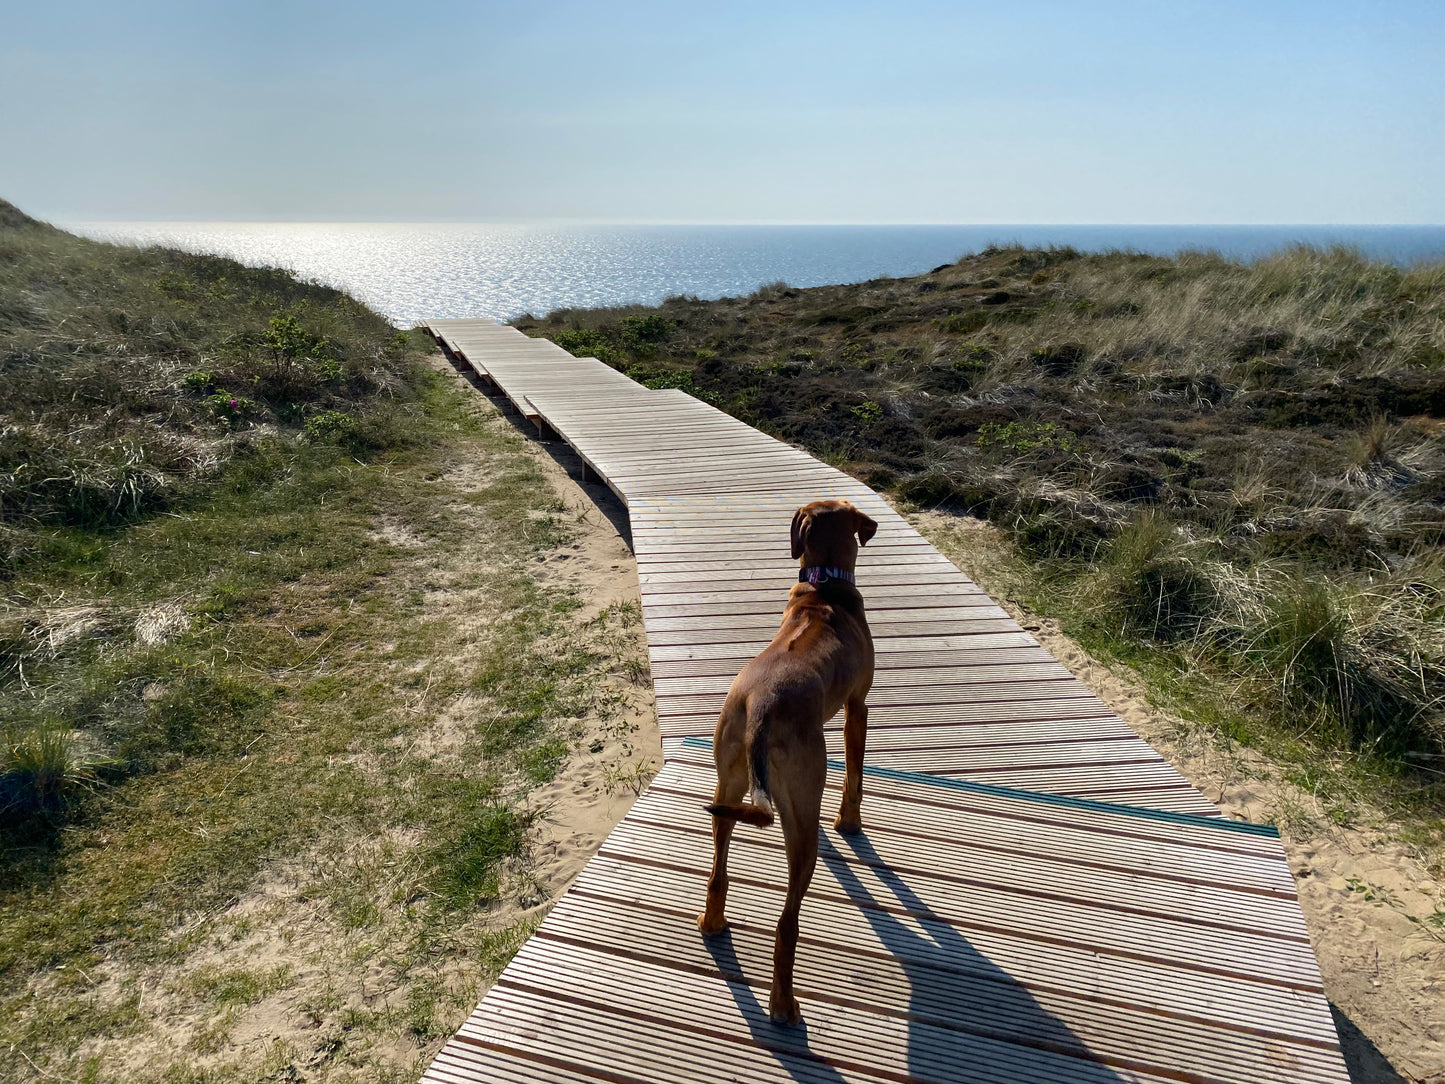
(72, 220)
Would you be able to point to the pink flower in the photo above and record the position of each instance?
(233, 404)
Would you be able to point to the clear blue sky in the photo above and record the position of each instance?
(899, 112)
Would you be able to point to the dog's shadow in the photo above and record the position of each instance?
(779, 1040)
(963, 1011)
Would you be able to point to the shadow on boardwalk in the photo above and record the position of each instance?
(789, 1045)
(968, 1019)
(965, 1018)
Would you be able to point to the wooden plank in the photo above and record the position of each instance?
(886, 676)
(691, 664)
(842, 927)
(1111, 879)
(919, 652)
(1150, 933)
(987, 820)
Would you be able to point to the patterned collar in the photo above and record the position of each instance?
(816, 574)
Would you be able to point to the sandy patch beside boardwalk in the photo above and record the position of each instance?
(599, 784)
(617, 755)
(1384, 974)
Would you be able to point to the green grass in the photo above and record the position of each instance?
(246, 683)
(468, 864)
(273, 723)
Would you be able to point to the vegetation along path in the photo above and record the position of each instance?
(1037, 896)
(316, 682)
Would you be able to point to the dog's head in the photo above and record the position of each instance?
(828, 533)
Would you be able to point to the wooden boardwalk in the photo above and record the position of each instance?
(1038, 895)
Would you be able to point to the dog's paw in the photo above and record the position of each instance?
(849, 826)
(786, 1011)
(708, 928)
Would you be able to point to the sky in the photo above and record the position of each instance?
(1021, 112)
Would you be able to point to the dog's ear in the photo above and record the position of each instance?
(799, 533)
(867, 528)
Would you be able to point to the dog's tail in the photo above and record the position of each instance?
(760, 810)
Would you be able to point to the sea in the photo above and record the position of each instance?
(412, 271)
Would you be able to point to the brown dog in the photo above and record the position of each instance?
(770, 732)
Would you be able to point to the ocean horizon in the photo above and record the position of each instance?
(412, 271)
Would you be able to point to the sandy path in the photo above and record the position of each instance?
(599, 784)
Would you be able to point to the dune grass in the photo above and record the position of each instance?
(1230, 473)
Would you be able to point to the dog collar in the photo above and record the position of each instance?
(816, 574)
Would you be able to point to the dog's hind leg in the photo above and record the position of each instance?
(730, 755)
(855, 736)
(799, 810)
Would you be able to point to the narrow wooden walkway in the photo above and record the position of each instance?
(1038, 895)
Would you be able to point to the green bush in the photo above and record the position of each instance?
(582, 341)
(1026, 436)
(868, 413)
(652, 328)
(286, 338)
(331, 426)
(662, 377)
(590, 343)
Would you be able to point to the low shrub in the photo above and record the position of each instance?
(1026, 436)
(331, 426)
(43, 767)
(1152, 582)
(661, 377)
(231, 409)
(868, 413)
(651, 328)
(963, 323)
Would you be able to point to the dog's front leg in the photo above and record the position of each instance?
(855, 737)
